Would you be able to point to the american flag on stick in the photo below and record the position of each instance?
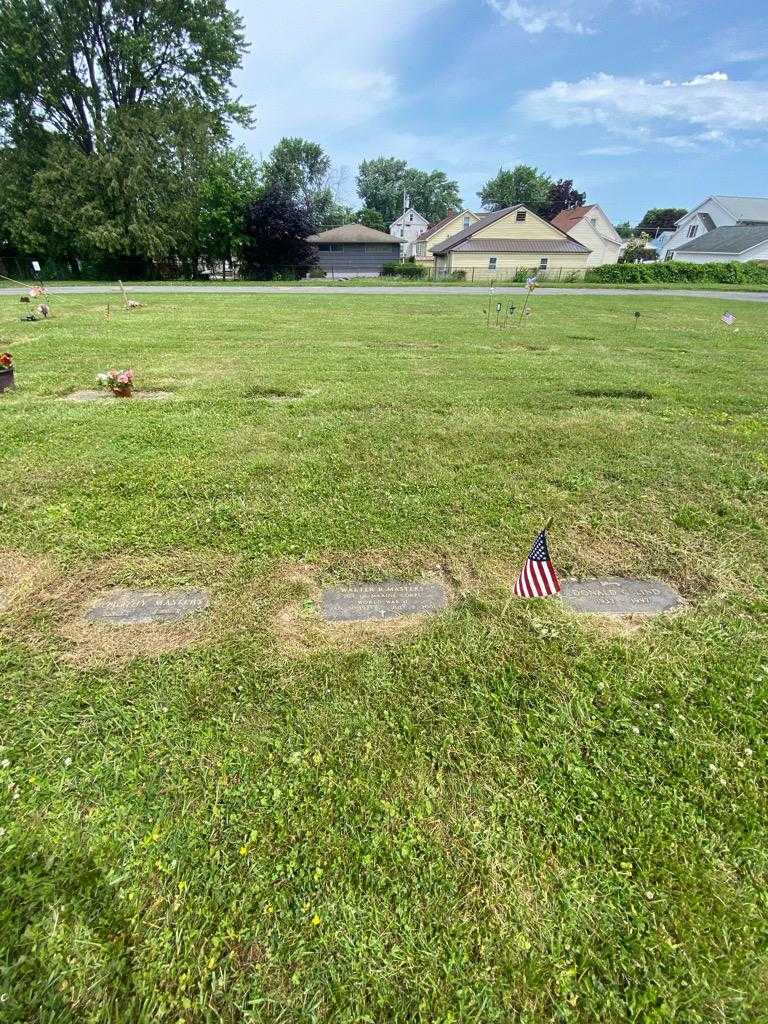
(728, 319)
(538, 578)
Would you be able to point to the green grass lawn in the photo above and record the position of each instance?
(506, 813)
(404, 282)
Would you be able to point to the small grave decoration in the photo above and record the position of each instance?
(44, 310)
(6, 371)
(119, 382)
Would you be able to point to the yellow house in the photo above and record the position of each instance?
(508, 242)
(437, 233)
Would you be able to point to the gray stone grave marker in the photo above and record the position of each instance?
(96, 395)
(616, 595)
(123, 607)
(361, 601)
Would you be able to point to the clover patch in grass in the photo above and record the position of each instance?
(631, 394)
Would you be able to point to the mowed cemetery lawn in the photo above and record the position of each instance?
(503, 812)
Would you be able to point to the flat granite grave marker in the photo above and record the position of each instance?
(616, 595)
(139, 607)
(392, 600)
(92, 395)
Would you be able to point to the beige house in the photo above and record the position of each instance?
(509, 242)
(590, 226)
(437, 233)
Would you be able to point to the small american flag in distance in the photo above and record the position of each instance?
(538, 578)
(729, 319)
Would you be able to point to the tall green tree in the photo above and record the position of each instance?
(371, 219)
(230, 184)
(381, 184)
(300, 169)
(277, 228)
(521, 184)
(67, 66)
(660, 219)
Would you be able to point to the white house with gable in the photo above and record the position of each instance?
(407, 229)
(721, 228)
(590, 226)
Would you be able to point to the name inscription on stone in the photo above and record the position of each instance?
(137, 607)
(361, 601)
(616, 595)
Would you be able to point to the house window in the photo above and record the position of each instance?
(492, 262)
(593, 221)
(520, 216)
(693, 230)
(421, 248)
(466, 222)
(331, 248)
(410, 218)
(670, 255)
(543, 263)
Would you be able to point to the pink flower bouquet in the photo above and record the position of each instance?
(119, 382)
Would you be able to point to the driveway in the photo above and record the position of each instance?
(261, 289)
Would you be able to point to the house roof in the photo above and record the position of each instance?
(728, 240)
(745, 208)
(354, 233)
(428, 232)
(412, 210)
(567, 219)
(708, 222)
(551, 245)
(456, 242)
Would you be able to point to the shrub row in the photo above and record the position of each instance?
(397, 269)
(678, 270)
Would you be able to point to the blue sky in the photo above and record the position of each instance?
(642, 102)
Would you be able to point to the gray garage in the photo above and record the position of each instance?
(353, 250)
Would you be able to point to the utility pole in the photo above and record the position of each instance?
(406, 203)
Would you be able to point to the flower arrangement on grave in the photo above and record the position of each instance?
(119, 382)
(6, 370)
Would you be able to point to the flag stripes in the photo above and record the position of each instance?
(538, 578)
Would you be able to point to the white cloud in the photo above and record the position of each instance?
(609, 151)
(709, 108)
(577, 17)
(320, 69)
(534, 19)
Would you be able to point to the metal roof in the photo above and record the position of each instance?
(354, 233)
(728, 240)
(551, 245)
(745, 208)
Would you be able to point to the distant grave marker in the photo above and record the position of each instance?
(122, 607)
(359, 602)
(92, 395)
(617, 595)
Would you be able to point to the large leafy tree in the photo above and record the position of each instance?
(68, 66)
(562, 196)
(382, 183)
(657, 220)
(371, 219)
(277, 228)
(230, 183)
(521, 184)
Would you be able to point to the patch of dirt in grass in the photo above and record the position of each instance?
(267, 394)
(298, 626)
(50, 603)
(22, 579)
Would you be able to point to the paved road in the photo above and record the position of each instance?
(260, 289)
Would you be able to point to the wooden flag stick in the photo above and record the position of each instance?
(548, 523)
(125, 296)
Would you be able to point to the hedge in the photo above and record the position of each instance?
(677, 270)
(395, 269)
